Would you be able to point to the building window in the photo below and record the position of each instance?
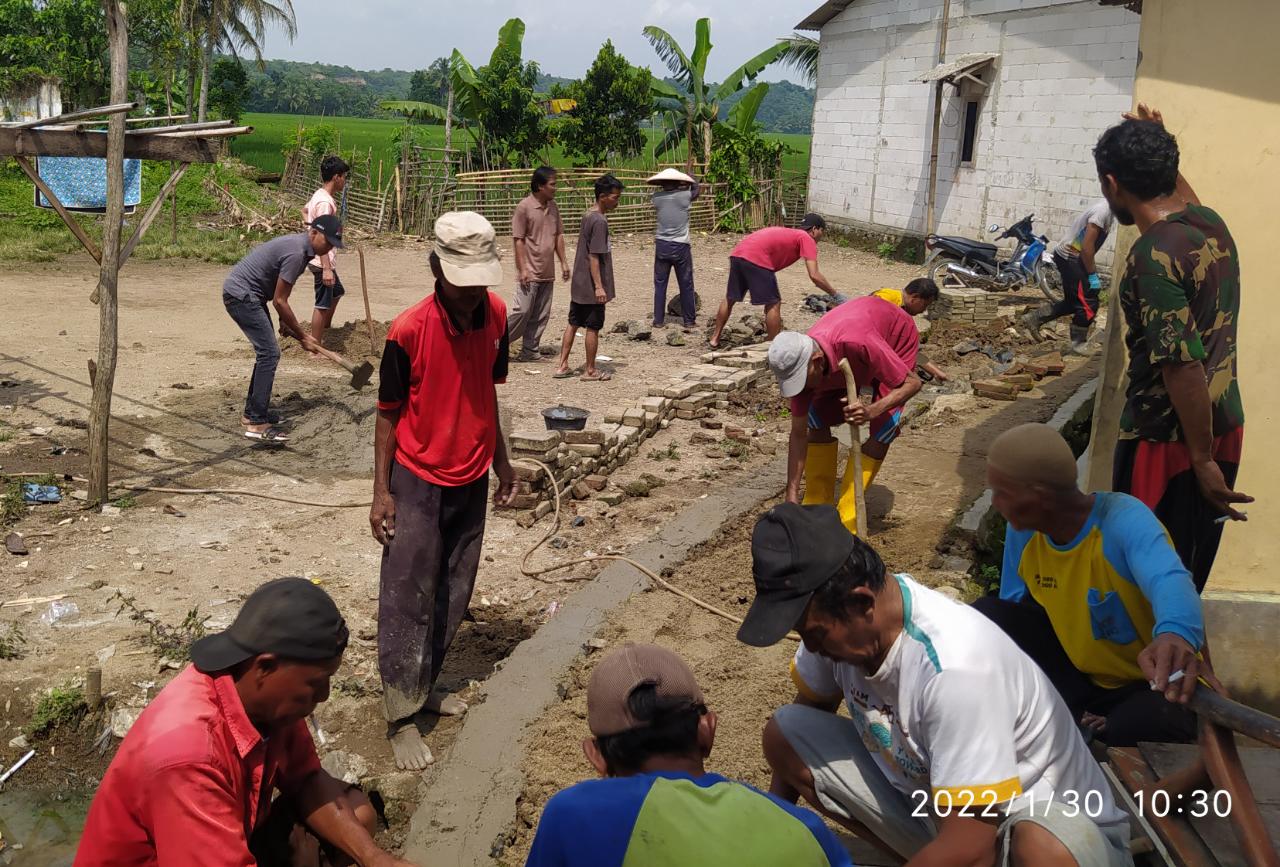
(969, 140)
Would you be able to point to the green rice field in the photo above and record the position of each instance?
(263, 147)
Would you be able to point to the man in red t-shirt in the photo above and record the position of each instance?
(753, 267)
(437, 436)
(192, 783)
(880, 341)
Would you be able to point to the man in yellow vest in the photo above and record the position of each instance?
(916, 298)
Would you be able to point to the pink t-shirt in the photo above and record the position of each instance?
(318, 205)
(776, 247)
(879, 339)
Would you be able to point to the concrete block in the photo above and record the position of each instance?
(612, 498)
(577, 437)
(526, 473)
(614, 414)
(543, 509)
(655, 404)
(724, 385)
(535, 441)
(522, 501)
(679, 392)
(597, 483)
(588, 449)
(581, 491)
(634, 417)
(686, 414)
(627, 434)
(547, 457)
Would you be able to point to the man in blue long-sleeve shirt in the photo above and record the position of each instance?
(1092, 589)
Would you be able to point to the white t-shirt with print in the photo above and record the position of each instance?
(958, 709)
(320, 203)
(1098, 214)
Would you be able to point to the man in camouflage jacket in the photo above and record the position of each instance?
(1182, 429)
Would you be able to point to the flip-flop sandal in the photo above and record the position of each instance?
(563, 374)
(270, 435)
(599, 377)
(272, 418)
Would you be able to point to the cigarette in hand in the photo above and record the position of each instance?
(1173, 678)
(1224, 518)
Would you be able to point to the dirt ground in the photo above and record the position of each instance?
(179, 389)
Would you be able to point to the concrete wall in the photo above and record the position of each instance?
(1064, 74)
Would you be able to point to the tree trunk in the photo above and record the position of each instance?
(706, 144)
(105, 372)
(206, 66)
(448, 119)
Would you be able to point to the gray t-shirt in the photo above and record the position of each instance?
(1097, 214)
(254, 277)
(673, 213)
(593, 238)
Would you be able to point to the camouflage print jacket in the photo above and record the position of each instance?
(1181, 300)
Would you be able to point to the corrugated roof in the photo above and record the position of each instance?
(823, 14)
(965, 63)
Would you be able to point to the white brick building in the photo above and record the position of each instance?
(1054, 74)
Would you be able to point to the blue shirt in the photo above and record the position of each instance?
(672, 818)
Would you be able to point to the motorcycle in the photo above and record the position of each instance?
(956, 262)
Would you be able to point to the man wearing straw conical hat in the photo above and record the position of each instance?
(672, 249)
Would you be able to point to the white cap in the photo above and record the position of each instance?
(467, 249)
(789, 356)
(671, 175)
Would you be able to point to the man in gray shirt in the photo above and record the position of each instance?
(268, 274)
(672, 249)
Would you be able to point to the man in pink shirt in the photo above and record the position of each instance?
(333, 174)
(192, 782)
(880, 341)
(753, 267)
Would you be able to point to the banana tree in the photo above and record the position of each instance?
(695, 104)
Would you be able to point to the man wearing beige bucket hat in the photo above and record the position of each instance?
(672, 249)
(437, 436)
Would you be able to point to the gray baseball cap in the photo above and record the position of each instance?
(789, 356)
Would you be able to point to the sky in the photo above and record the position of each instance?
(563, 36)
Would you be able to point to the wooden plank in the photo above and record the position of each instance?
(152, 211)
(75, 227)
(69, 143)
(1235, 716)
(181, 127)
(181, 134)
(117, 108)
(1186, 847)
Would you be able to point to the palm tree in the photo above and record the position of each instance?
(698, 106)
(230, 25)
(801, 54)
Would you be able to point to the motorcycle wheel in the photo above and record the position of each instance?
(1049, 281)
(943, 278)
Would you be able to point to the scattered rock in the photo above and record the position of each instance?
(622, 326)
(675, 338)
(122, 719)
(170, 510)
(348, 767)
(164, 571)
(14, 545)
(708, 424)
(581, 491)
(767, 446)
(597, 483)
(578, 521)
(181, 386)
(640, 331)
(674, 308)
(40, 431)
(110, 511)
(595, 644)
(138, 566)
(699, 437)
(734, 432)
(106, 653)
(559, 543)
(612, 498)
(19, 743)
(958, 403)
(105, 530)
(397, 786)
(132, 552)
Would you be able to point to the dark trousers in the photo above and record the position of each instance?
(668, 255)
(1134, 713)
(428, 574)
(255, 322)
(1183, 510)
(1079, 301)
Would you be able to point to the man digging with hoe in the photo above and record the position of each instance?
(437, 435)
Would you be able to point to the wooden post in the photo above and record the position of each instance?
(104, 377)
(930, 214)
(93, 687)
(173, 201)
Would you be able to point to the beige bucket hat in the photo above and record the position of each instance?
(671, 175)
(467, 249)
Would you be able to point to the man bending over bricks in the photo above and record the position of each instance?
(880, 341)
(437, 435)
(957, 750)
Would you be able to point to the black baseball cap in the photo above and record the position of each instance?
(813, 221)
(794, 551)
(331, 226)
(290, 617)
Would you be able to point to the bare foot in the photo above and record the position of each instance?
(411, 751)
(445, 705)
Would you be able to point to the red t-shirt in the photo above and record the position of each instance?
(191, 780)
(776, 247)
(879, 339)
(442, 381)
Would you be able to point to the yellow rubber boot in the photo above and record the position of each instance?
(820, 474)
(848, 506)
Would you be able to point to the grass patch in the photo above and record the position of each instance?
(12, 642)
(165, 641)
(128, 501)
(11, 506)
(670, 453)
(61, 706)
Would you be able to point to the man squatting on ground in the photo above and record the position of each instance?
(916, 298)
(753, 267)
(672, 248)
(1182, 430)
(537, 233)
(880, 340)
(651, 734)
(333, 174)
(1075, 257)
(267, 274)
(1093, 591)
(437, 435)
(958, 751)
(591, 287)
(192, 782)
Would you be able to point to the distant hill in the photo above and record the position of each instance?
(786, 107)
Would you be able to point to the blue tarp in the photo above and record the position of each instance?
(80, 183)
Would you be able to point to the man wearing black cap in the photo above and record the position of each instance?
(192, 782)
(958, 750)
(651, 734)
(267, 274)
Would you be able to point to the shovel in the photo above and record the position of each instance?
(360, 373)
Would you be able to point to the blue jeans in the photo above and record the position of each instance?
(255, 322)
(669, 254)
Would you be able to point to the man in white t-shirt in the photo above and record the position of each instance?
(1075, 257)
(333, 174)
(958, 750)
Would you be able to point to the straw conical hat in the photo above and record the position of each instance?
(671, 175)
